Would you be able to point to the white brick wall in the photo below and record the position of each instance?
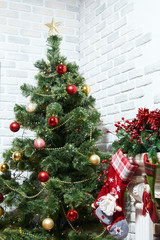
(22, 42)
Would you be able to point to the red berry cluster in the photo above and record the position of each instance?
(104, 172)
(145, 121)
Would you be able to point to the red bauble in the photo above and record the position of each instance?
(1, 197)
(53, 121)
(72, 215)
(71, 89)
(43, 176)
(61, 69)
(14, 126)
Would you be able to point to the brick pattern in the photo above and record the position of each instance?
(115, 75)
(130, 216)
(22, 42)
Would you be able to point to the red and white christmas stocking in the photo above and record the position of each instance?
(109, 205)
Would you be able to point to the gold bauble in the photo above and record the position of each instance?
(94, 159)
(31, 107)
(48, 223)
(47, 90)
(1, 211)
(4, 167)
(16, 156)
(86, 89)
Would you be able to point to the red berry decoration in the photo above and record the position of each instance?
(71, 89)
(61, 69)
(1, 197)
(72, 215)
(53, 121)
(43, 176)
(14, 126)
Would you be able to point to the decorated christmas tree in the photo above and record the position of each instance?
(48, 183)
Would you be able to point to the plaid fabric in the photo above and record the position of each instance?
(122, 166)
(149, 167)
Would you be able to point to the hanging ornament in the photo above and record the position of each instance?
(1, 211)
(4, 167)
(1, 197)
(47, 90)
(94, 159)
(43, 176)
(53, 121)
(71, 89)
(48, 223)
(61, 69)
(86, 89)
(16, 156)
(72, 215)
(39, 143)
(31, 107)
(14, 126)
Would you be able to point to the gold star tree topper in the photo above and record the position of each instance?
(53, 27)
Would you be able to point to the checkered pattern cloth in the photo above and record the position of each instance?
(149, 167)
(122, 166)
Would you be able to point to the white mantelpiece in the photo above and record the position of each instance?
(144, 225)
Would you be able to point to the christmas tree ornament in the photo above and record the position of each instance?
(72, 215)
(47, 90)
(16, 156)
(53, 27)
(53, 121)
(61, 69)
(1, 197)
(86, 89)
(39, 143)
(109, 205)
(43, 176)
(14, 127)
(31, 107)
(48, 223)
(4, 167)
(94, 159)
(71, 89)
(1, 211)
